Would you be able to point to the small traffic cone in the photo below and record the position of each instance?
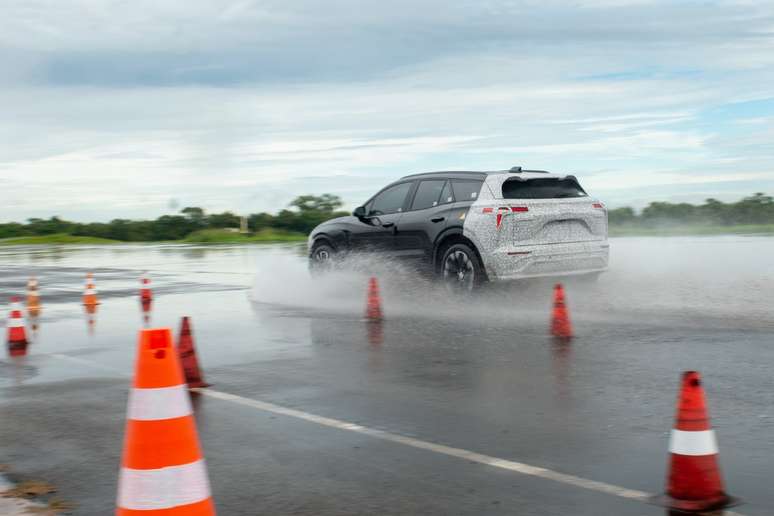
(560, 319)
(33, 298)
(374, 302)
(694, 483)
(162, 469)
(90, 294)
(187, 352)
(146, 294)
(17, 334)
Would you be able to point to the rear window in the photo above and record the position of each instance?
(543, 188)
(466, 190)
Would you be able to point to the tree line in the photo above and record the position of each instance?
(755, 209)
(302, 215)
(307, 211)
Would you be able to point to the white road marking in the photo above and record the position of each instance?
(518, 467)
(88, 363)
(488, 460)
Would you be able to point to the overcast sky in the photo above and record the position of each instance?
(131, 108)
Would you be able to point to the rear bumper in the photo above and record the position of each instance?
(510, 263)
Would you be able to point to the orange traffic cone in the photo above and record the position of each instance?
(374, 302)
(560, 319)
(187, 352)
(90, 294)
(33, 298)
(694, 483)
(146, 295)
(17, 334)
(162, 469)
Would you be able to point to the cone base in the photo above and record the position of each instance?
(694, 506)
(198, 385)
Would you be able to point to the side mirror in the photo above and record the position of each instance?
(359, 212)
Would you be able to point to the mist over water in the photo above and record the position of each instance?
(684, 281)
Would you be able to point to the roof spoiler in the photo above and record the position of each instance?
(519, 170)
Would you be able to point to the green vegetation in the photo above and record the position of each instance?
(192, 225)
(56, 238)
(750, 215)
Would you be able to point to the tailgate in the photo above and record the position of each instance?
(555, 221)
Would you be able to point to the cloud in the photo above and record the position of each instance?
(244, 105)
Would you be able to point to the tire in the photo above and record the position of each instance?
(321, 258)
(460, 269)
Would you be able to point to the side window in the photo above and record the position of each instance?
(446, 195)
(466, 190)
(427, 194)
(390, 201)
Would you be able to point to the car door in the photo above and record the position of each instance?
(425, 219)
(375, 232)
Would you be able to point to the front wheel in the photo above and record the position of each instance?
(321, 258)
(461, 270)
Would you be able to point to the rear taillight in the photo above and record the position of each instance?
(598, 205)
(486, 210)
(519, 209)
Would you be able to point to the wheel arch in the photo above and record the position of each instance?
(324, 238)
(449, 237)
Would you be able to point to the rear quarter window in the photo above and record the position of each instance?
(465, 190)
(542, 188)
(427, 194)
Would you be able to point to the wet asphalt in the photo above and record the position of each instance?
(479, 374)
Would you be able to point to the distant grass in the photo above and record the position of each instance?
(56, 238)
(205, 236)
(746, 229)
(219, 236)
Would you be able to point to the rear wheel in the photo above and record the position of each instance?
(321, 257)
(461, 270)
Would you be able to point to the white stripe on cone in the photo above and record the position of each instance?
(159, 403)
(164, 488)
(703, 442)
(90, 292)
(16, 322)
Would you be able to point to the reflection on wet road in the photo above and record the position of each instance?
(476, 374)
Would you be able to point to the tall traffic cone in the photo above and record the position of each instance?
(162, 469)
(560, 319)
(187, 352)
(33, 298)
(694, 483)
(17, 334)
(146, 294)
(90, 294)
(374, 301)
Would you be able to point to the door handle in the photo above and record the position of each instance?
(388, 224)
(438, 219)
